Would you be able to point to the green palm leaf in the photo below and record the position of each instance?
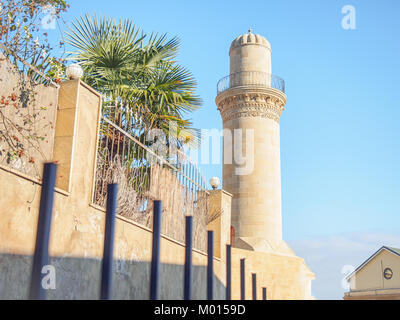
(135, 72)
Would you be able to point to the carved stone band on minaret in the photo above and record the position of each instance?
(247, 102)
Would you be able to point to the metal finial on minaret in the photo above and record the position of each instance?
(250, 30)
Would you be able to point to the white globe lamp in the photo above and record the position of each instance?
(215, 182)
(74, 71)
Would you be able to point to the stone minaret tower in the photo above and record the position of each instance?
(251, 99)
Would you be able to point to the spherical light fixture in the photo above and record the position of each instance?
(214, 182)
(74, 71)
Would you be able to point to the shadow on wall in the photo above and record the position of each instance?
(79, 279)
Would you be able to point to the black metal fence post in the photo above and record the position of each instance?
(254, 285)
(228, 272)
(242, 280)
(210, 266)
(187, 291)
(107, 264)
(41, 255)
(155, 259)
(264, 293)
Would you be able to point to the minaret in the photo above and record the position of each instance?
(251, 99)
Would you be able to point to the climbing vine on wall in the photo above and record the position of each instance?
(30, 60)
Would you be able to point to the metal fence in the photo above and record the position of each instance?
(132, 159)
(41, 253)
(251, 78)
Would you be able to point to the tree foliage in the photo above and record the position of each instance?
(27, 59)
(24, 27)
(136, 72)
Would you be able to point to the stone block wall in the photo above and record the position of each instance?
(77, 232)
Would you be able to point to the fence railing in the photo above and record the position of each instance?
(41, 253)
(251, 78)
(130, 158)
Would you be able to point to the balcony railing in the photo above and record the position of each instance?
(251, 78)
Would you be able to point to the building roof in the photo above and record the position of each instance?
(395, 251)
(250, 38)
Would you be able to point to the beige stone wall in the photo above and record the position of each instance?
(28, 119)
(76, 248)
(220, 206)
(77, 233)
(285, 277)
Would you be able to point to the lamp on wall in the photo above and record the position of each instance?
(74, 71)
(214, 182)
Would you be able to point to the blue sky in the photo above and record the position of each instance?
(339, 133)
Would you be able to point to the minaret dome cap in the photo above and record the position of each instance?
(250, 38)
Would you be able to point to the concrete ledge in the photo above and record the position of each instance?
(32, 179)
(251, 89)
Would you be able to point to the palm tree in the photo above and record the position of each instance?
(136, 73)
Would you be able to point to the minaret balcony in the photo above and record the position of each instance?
(251, 79)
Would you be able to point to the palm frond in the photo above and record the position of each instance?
(137, 71)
